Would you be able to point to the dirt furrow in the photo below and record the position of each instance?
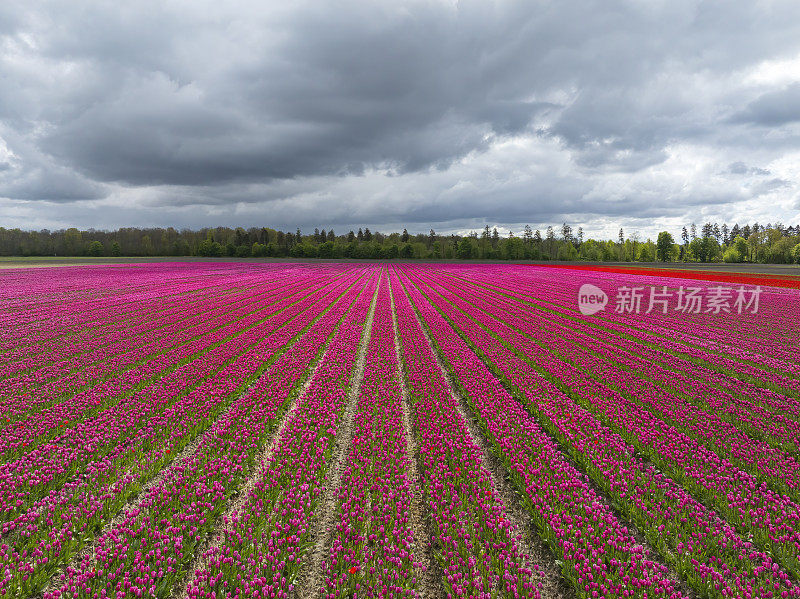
(423, 552)
(531, 546)
(310, 584)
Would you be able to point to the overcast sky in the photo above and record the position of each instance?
(646, 114)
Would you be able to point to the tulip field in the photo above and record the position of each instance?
(337, 430)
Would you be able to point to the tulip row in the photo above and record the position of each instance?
(768, 464)
(170, 417)
(59, 448)
(754, 412)
(102, 325)
(262, 544)
(636, 334)
(477, 547)
(154, 542)
(714, 559)
(681, 335)
(95, 302)
(599, 554)
(49, 390)
(371, 550)
(54, 360)
(743, 499)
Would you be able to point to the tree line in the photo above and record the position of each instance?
(710, 242)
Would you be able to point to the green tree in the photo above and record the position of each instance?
(732, 255)
(645, 253)
(209, 249)
(115, 249)
(567, 252)
(796, 253)
(95, 249)
(464, 251)
(664, 246)
(740, 245)
(73, 242)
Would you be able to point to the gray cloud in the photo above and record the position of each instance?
(773, 108)
(740, 168)
(361, 112)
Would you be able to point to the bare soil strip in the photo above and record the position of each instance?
(200, 563)
(423, 552)
(553, 586)
(310, 581)
(180, 458)
(90, 550)
(509, 494)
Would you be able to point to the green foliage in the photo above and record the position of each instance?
(704, 249)
(732, 254)
(95, 249)
(664, 246)
(775, 244)
(209, 249)
(740, 245)
(567, 252)
(464, 251)
(645, 253)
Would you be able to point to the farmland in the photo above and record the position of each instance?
(336, 430)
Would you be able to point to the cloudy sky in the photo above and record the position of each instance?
(646, 114)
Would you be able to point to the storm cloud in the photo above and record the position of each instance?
(438, 114)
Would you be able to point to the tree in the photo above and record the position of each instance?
(464, 251)
(527, 235)
(495, 237)
(693, 230)
(115, 249)
(725, 234)
(580, 236)
(567, 252)
(732, 255)
(566, 232)
(645, 253)
(796, 253)
(367, 234)
(95, 249)
(740, 245)
(147, 246)
(664, 246)
(404, 236)
(73, 242)
(431, 238)
(685, 236)
(209, 249)
(550, 236)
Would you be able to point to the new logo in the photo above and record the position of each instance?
(591, 299)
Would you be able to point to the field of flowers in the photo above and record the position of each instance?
(225, 430)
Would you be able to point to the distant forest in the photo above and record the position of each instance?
(772, 243)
